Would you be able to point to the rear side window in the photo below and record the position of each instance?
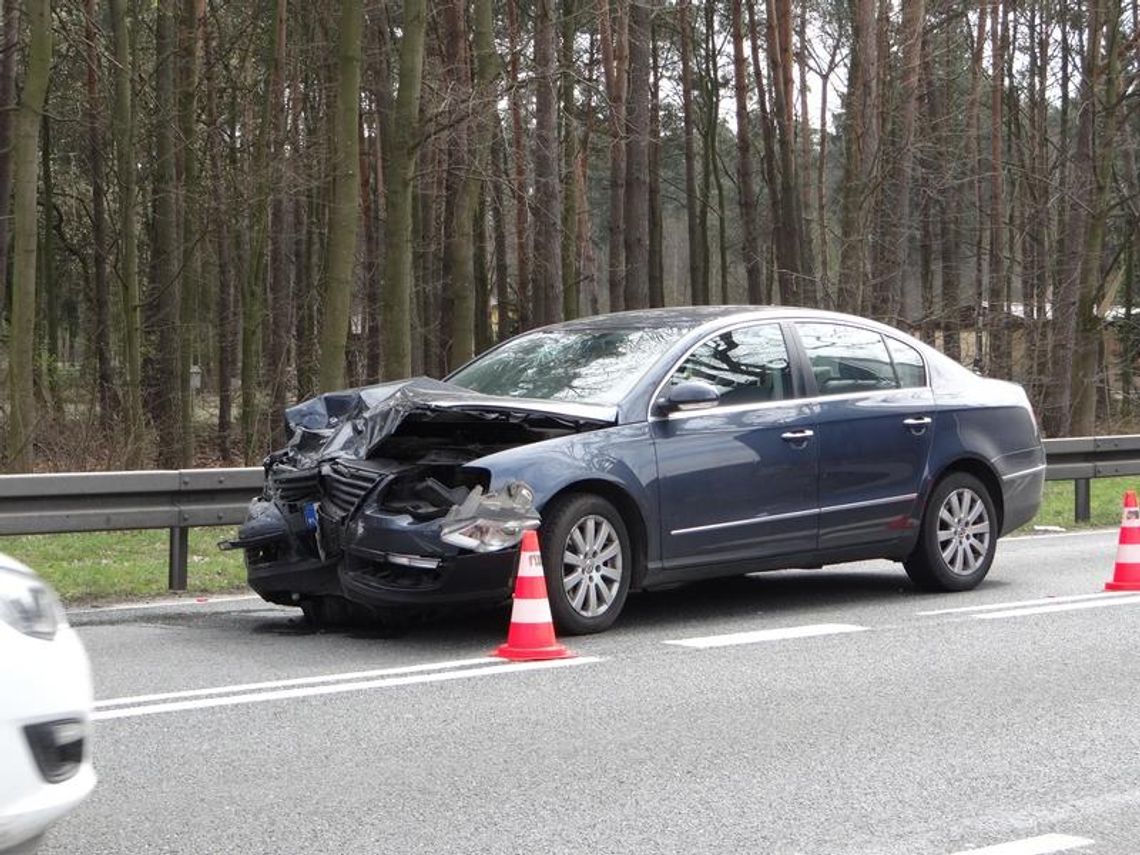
(847, 359)
(908, 364)
(747, 366)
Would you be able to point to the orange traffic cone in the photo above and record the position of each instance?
(531, 635)
(1126, 575)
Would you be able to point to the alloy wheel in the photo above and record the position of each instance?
(592, 566)
(963, 531)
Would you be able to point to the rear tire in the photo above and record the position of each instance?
(959, 535)
(587, 557)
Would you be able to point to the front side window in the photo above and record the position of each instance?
(747, 366)
(846, 359)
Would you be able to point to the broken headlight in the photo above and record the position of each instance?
(488, 523)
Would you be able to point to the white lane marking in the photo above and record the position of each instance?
(808, 631)
(163, 604)
(346, 676)
(1018, 604)
(1054, 536)
(338, 688)
(1042, 845)
(1062, 607)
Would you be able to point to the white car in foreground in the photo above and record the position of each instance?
(45, 710)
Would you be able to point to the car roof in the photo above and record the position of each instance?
(687, 317)
(692, 317)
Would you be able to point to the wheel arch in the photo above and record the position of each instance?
(630, 514)
(984, 473)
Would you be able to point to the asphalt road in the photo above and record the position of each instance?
(854, 715)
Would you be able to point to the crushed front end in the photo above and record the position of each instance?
(378, 505)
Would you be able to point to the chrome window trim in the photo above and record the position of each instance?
(786, 402)
(870, 503)
(1030, 471)
(778, 320)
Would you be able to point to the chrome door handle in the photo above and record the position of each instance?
(797, 435)
(920, 421)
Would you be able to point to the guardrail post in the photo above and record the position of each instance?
(179, 552)
(1082, 510)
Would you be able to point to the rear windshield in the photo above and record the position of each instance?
(591, 366)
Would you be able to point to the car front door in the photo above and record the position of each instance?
(875, 430)
(738, 481)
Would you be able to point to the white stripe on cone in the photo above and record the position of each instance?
(531, 611)
(1128, 553)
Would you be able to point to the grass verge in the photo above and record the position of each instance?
(90, 567)
(94, 567)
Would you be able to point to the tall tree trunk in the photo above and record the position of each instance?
(698, 275)
(994, 294)
(615, 64)
(656, 225)
(861, 158)
(569, 142)
(501, 173)
(22, 410)
(343, 214)
(9, 48)
(900, 287)
(396, 307)
(190, 274)
(458, 260)
(547, 183)
(104, 378)
(753, 264)
(279, 330)
(166, 382)
(792, 261)
(519, 184)
(122, 127)
(1096, 147)
(220, 237)
(636, 196)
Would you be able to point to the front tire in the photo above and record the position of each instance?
(958, 538)
(587, 558)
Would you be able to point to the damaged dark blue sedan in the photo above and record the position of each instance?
(651, 448)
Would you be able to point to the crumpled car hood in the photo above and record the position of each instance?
(354, 423)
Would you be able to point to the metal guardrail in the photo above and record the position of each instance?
(179, 500)
(1081, 458)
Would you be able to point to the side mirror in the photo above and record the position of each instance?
(688, 396)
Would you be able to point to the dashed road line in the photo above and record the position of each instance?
(762, 635)
(336, 688)
(1041, 845)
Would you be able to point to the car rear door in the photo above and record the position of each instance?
(875, 431)
(738, 481)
